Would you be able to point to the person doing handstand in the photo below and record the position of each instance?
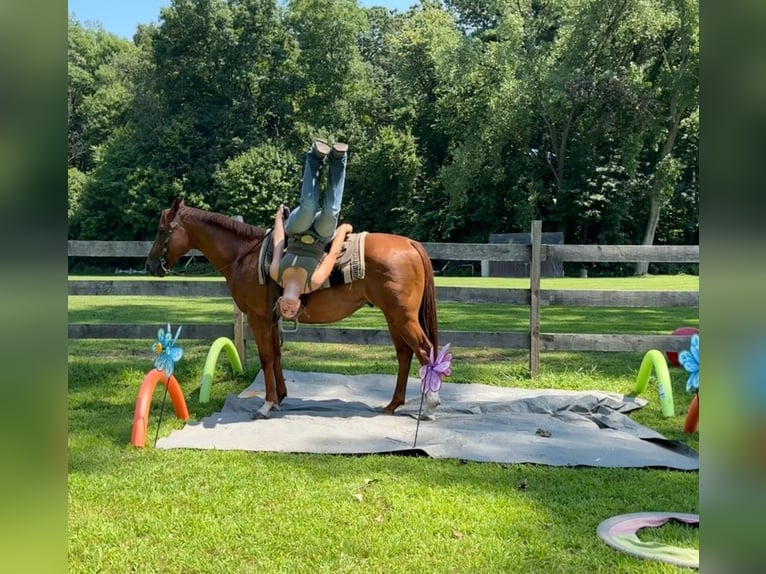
(301, 265)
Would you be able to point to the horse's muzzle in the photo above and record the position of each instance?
(155, 267)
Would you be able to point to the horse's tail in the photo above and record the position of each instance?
(427, 313)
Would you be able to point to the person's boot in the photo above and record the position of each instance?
(320, 148)
(338, 149)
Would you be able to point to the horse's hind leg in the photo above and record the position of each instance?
(404, 357)
(409, 339)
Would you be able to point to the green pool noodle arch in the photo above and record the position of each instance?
(656, 359)
(220, 344)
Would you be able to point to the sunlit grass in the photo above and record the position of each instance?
(452, 316)
(147, 510)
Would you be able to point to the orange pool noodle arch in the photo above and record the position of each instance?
(693, 416)
(144, 402)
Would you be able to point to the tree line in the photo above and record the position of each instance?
(464, 117)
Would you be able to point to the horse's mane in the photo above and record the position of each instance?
(246, 230)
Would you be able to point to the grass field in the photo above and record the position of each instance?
(145, 510)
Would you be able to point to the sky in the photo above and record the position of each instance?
(122, 17)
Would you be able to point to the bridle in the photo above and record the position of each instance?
(166, 242)
(168, 232)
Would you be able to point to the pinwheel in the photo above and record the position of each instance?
(167, 353)
(690, 360)
(432, 373)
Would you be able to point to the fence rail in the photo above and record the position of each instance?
(532, 297)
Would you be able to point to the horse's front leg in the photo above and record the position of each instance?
(264, 340)
(277, 354)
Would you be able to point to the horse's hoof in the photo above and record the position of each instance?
(258, 415)
(433, 400)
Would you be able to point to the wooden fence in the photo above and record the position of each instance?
(533, 297)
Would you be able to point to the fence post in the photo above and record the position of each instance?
(239, 322)
(239, 333)
(534, 300)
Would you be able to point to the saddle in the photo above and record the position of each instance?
(349, 265)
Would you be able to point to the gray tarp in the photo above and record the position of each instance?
(338, 414)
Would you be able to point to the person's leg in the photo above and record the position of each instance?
(301, 218)
(327, 220)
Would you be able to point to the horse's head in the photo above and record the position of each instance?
(171, 242)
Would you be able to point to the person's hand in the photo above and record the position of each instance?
(345, 228)
(282, 211)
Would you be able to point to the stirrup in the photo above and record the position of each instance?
(282, 325)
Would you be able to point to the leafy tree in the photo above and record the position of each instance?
(211, 88)
(674, 75)
(254, 183)
(331, 88)
(381, 184)
(426, 38)
(590, 65)
(76, 181)
(464, 118)
(100, 67)
(124, 195)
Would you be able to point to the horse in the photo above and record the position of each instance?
(398, 280)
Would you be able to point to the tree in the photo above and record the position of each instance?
(76, 181)
(100, 76)
(330, 85)
(254, 183)
(593, 67)
(675, 76)
(425, 39)
(211, 87)
(381, 184)
(462, 121)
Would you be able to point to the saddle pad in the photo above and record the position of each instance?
(350, 261)
(349, 266)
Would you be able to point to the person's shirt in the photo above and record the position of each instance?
(305, 256)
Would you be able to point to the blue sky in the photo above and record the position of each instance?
(121, 17)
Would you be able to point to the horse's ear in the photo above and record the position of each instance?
(176, 204)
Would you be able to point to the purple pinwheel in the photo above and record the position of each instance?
(690, 360)
(167, 353)
(431, 374)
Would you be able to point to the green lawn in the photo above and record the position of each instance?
(452, 316)
(146, 510)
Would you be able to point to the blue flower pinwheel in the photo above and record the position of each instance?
(690, 360)
(167, 353)
(431, 374)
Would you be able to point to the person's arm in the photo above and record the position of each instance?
(323, 270)
(279, 243)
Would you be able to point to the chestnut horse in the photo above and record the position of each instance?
(398, 280)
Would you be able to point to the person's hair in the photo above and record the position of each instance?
(278, 311)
